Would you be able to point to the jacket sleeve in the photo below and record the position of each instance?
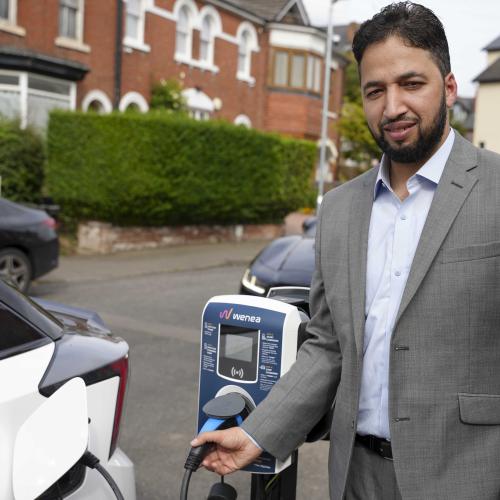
(302, 396)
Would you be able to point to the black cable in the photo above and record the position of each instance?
(110, 481)
(92, 462)
(185, 484)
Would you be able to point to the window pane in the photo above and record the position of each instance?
(182, 23)
(132, 26)
(15, 332)
(181, 43)
(204, 51)
(244, 54)
(317, 75)
(243, 46)
(182, 36)
(67, 21)
(297, 73)
(281, 68)
(70, 3)
(39, 108)
(206, 39)
(49, 85)
(9, 79)
(4, 9)
(310, 72)
(134, 7)
(206, 28)
(10, 103)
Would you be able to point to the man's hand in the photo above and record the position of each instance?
(232, 450)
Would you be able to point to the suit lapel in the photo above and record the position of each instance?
(359, 223)
(453, 189)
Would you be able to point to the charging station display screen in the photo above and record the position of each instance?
(238, 353)
(238, 347)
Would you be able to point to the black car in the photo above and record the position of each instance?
(287, 261)
(29, 246)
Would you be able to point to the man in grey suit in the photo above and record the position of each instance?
(405, 298)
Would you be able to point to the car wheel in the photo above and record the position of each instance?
(15, 267)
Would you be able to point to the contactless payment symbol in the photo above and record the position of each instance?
(234, 372)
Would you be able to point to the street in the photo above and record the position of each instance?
(154, 300)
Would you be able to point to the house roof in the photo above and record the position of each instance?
(491, 74)
(494, 45)
(269, 10)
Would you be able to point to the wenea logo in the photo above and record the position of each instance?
(228, 314)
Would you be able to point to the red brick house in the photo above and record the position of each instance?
(254, 62)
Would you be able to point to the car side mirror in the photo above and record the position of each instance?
(308, 223)
(52, 439)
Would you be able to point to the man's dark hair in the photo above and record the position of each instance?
(415, 24)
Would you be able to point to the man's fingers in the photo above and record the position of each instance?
(207, 437)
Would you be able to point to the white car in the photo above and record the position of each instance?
(62, 392)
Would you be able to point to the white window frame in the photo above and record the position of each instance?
(243, 120)
(137, 43)
(24, 92)
(10, 24)
(192, 15)
(246, 28)
(99, 96)
(133, 98)
(77, 42)
(216, 29)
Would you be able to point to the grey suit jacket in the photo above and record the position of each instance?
(444, 380)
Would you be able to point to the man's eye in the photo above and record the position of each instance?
(374, 93)
(412, 85)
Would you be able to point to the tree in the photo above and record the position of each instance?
(358, 144)
(167, 95)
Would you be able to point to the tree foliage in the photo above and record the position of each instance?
(22, 158)
(167, 95)
(358, 144)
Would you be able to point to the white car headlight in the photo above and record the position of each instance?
(250, 281)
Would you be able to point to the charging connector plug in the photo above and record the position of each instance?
(223, 412)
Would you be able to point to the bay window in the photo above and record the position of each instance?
(296, 70)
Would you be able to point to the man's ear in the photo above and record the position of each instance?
(451, 89)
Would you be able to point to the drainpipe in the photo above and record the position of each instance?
(118, 54)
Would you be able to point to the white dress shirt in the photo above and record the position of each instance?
(395, 229)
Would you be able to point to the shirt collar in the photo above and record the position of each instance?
(431, 170)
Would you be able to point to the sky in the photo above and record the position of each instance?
(470, 25)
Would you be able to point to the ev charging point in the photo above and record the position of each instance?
(247, 344)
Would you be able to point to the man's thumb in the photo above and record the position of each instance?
(206, 437)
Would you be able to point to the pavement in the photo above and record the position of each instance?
(84, 268)
(194, 256)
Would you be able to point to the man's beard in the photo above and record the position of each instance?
(427, 140)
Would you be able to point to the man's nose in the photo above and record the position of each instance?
(394, 104)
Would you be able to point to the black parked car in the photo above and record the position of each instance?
(287, 261)
(29, 246)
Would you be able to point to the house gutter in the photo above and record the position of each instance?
(118, 54)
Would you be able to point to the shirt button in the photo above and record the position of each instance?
(403, 217)
(398, 273)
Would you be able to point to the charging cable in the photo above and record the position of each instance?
(223, 412)
(92, 462)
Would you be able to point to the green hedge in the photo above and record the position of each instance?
(22, 156)
(153, 169)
